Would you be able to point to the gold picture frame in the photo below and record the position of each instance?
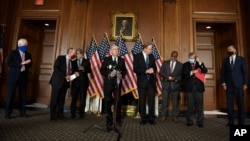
(125, 24)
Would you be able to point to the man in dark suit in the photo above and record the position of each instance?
(19, 61)
(80, 84)
(145, 68)
(60, 82)
(170, 72)
(113, 69)
(194, 88)
(234, 80)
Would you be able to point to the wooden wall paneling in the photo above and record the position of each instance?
(185, 24)
(48, 5)
(171, 29)
(214, 6)
(78, 20)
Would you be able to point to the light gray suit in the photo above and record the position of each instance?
(170, 87)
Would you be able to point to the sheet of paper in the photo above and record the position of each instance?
(72, 77)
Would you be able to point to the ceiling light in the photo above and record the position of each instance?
(208, 27)
(46, 24)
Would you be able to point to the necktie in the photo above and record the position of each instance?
(147, 62)
(79, 62)
(68, 69)
(23, 59)
(231, 62)
(172, 66)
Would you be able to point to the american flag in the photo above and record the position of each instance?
(103, 49)
(96, 82)
(158, 62)
(135, 50)
(129, 81)
(1, 52)
(138, 46)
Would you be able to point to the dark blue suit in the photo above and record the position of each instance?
(234, 78)
(17, 78)
(145, 85)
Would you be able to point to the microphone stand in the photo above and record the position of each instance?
(117, 95)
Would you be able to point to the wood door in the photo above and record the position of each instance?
(33, 34)
(205, 50)
(223, 35)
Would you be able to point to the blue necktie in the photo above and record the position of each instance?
(147, 62)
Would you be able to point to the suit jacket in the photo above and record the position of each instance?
(237, 74)
(191, 80)
(60, 70)
(14, 62)
(105, 69)
(82, 80)
(165, 72)
(139, 66)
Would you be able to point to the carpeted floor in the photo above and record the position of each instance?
(38, 127)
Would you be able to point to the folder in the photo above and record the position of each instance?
(200, 76)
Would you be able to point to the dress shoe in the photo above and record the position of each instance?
(201, 125)
(23, 115)
(7, 117)
(81, 116)
(176, 120)
(73, 116)
(109, 128)
(162, 119)
(152, 122)
(229, 124)
(143, 122)
(189, 124)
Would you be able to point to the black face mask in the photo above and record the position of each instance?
(230, 53)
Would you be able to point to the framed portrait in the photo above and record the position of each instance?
(125, 24)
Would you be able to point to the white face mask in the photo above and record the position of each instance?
(79, 57)
(192, 61)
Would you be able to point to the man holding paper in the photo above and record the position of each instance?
(194, 88)
(60, 82)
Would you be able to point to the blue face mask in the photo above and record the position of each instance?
(23, 48)
(191, 61)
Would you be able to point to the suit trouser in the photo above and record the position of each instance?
(143, 92)
(57, 101)
(175, 100)
(12, 86)
(195, 101)
(75, 91)
(239, 95)
(110, 86)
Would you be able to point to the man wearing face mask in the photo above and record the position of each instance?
(194, 89)
(170, 72)
(234, 80)
(80, 84)
(60, 82)
(19, 61)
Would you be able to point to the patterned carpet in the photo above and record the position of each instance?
(38, 127)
